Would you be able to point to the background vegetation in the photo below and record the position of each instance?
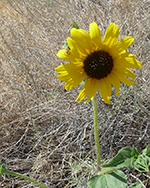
(43, 133)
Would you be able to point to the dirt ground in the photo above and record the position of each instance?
(44, 134)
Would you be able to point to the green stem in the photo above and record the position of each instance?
(94, 102)
(4, 171)
(106, 171)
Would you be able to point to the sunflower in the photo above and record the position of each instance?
(104, 63)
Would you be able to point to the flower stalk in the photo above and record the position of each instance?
(94, 102)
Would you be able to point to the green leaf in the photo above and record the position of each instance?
(122, 159)
(144, 151)
(115, 179)
(136, 185)
(148, 152)
(135, 153)
(4, 171)
(74, 25)
(142, 164)
(1, 168)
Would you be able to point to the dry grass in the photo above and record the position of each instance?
(43, 133)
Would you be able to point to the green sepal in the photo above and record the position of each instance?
(74, 25)
(83, 82)
(65, 45)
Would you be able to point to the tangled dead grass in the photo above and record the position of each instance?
(43, 133)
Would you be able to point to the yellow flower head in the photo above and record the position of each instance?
(104, 63)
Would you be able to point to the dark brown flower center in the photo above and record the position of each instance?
(98, 64)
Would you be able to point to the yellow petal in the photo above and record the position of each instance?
(127, 62)
(85, 90)
(123, 79)
(82, 41)
(126, 54)
(123, 55)
(72, 45)
(133, 63)
(130, 74)
(121, 45)
(66, 56)
(70, 70)
(69, 67)
(74, 81)
(74, 50)
(94, 84)
(95, 34)
(111, 35)
(105, 90)
(60, 69)
(115, 82)
(83, 93)
(87, 38)
(126, 72)
(64, 77)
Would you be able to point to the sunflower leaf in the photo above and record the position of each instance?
(136, 185)
(115, 179)
(124, 158)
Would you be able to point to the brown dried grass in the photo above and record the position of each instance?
(43, 133)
